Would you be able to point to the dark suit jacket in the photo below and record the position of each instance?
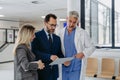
(41, 48)
(23, 68)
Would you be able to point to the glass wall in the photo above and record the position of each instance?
(117, 23)
(104, 24)
(98, 21)
(8, 35)
(2, 35)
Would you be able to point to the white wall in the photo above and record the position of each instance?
(2, 37)
(8, 24)
(38, 24)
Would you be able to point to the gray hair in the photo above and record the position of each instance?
(74, 14)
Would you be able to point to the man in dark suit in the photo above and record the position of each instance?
(47, 47)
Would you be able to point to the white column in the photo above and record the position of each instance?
(58, 26)
(73, 5)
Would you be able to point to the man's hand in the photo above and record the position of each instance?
(53, 57)
(79, 55)
(67, 63)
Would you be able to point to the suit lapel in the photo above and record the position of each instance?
(44, 37)
(54, 41)
(46, 41)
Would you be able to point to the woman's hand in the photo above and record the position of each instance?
(40, 64)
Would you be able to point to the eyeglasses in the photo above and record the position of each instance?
(53, 25)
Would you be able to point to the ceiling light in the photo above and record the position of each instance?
(1, 7)
(35, 2)
(2, 16)
(43, 17)
(38, 2)
(62, 19)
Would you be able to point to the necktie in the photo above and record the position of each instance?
(50, 40)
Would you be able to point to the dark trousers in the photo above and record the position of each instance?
(46, 75)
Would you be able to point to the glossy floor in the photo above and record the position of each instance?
(7, 72)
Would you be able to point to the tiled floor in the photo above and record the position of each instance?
(6, 70)
(7, 73)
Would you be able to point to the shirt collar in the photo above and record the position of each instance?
(47, 33)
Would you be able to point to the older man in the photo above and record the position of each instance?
(75, 43)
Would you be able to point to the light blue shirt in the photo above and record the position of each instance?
(70, 51)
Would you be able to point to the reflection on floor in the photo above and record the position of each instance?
(7, 72)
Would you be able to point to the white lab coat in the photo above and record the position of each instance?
(82, 44)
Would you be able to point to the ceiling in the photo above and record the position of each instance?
(25, 10)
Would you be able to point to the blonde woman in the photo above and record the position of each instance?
(25, 68)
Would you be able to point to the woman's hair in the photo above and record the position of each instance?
(24, 36)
